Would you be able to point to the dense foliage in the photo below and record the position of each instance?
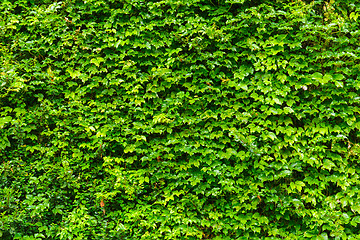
(179, 119)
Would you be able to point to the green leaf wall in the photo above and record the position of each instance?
(192, 119)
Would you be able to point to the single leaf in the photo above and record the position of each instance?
(272, 135)
(326, 79)
(97, 61)
(318, 76)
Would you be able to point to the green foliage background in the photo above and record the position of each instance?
(189, 119)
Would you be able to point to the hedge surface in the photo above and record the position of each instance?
(191, 119)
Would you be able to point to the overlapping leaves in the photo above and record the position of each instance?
(179, 119)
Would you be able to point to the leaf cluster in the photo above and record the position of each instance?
(192, 119)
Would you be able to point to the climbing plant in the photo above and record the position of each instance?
(192, 119)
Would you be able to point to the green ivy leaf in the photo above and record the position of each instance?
(97, 61)
(5, 120)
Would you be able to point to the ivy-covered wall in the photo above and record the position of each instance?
(179, 119)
